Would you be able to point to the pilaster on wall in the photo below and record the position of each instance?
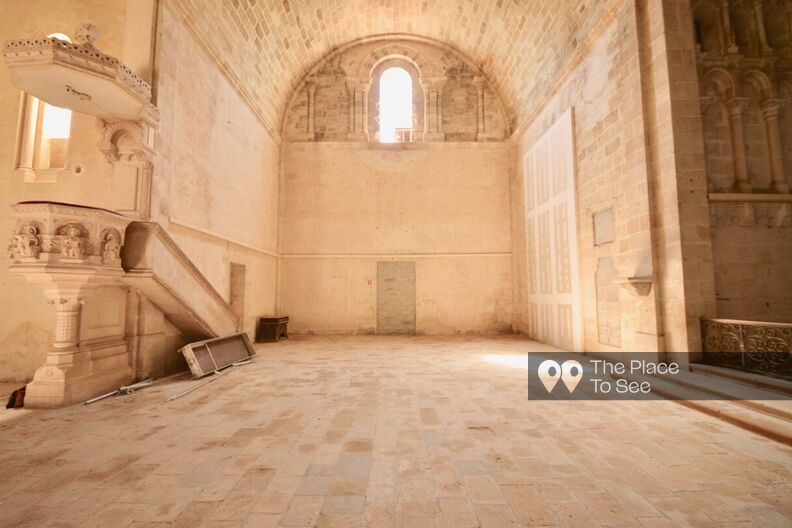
(677, 172)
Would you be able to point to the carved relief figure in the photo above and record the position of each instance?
(26, 243)
(73, 243)
(111, 248)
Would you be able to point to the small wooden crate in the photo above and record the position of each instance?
(272, 328)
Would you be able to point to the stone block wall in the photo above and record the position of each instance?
(611, 174)
(744, 61)
(216, 171)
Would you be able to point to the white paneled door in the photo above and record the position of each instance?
(551, 237)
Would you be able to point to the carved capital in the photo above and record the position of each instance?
(771, 108)
(705, 102)
(433, 83)
(736, 105)
(310, 85)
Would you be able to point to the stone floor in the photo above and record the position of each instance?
(384, 432)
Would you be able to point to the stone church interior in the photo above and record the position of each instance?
(350, 263)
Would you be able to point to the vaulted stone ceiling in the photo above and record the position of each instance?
(267, 46)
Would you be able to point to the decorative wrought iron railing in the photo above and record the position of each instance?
(764, 348)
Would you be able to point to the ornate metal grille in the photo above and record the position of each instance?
(764, 348)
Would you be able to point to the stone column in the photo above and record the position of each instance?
(67, 324)
(735, 107)
(758, 13)
(310, 88)
(358, 109)
(771, 110)
(728, 33)
(433, 113)
(480, 83)
(788, 5)
(705, 101)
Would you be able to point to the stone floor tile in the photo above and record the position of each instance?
(344, 504)
(495, 516)
(302, 511)
(457, 513)
(262, 520)
(483, 489)
(330, 520)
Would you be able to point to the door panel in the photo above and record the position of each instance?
(396, 298)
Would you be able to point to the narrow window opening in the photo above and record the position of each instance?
(45, 133)
(396, 106)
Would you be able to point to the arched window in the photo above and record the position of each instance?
(45, 133)
(396, 106)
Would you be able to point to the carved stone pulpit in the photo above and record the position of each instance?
(74, 254)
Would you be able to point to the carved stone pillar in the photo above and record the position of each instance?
(358, 109)
(758, 12)
(310, 88)
(705, 101)
(480, 83)
(728, 32)
(771, 110)
(73, 253)
(433, 112)
(735, 107)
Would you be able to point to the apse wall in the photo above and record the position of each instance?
(348, 206)
(441, 201)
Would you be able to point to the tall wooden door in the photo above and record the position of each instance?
(551, 238)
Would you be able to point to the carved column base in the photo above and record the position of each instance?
(70, 380)
(744, 187)
(781, 187)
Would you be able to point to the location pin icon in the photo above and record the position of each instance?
(549, 372)
(572, 374)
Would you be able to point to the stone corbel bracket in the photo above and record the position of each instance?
(641, 286)
(127, 141)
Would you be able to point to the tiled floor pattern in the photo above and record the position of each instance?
(384, 432)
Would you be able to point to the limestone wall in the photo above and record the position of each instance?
(347, 206)
(752, 270)
(746, 85)
(216, 170)
(614, 203)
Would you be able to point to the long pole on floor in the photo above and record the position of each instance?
(217, 374)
